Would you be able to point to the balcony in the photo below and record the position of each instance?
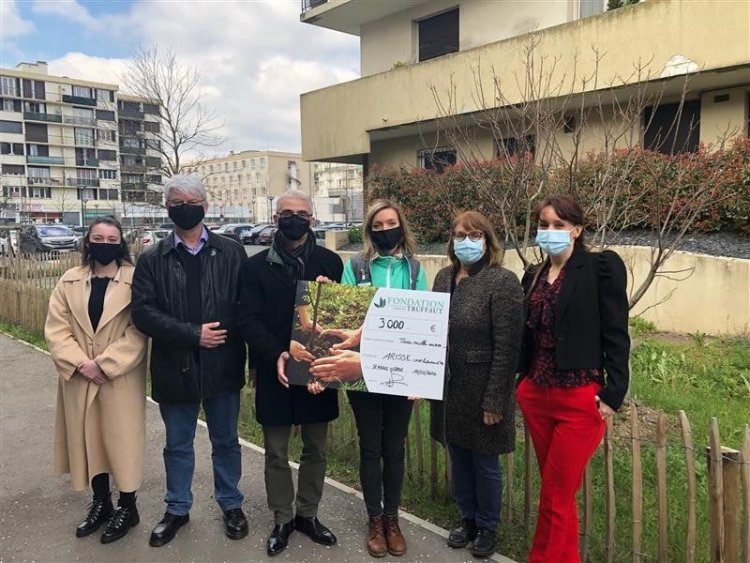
(54, 160)
(75, 120)
(130, 113)
(82, 182)
(78, 100)
(91, 162)
(133, 168)
(125, 149)
(43, 181)
(348, 16)
(37, 116)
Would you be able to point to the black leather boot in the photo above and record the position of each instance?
(100, 511)
(124, 518)
(463, 535)
(484, 543)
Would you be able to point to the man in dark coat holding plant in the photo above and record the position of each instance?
(268, 283)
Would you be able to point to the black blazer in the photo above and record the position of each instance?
(265, 319)
(591, 321)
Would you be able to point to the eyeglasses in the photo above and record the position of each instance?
(473, 235)
(179, 203)
(287, 213)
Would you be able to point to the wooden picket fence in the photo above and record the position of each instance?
(683, 500)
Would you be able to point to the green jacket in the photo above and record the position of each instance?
(386, 271)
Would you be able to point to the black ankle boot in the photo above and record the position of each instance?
(463, 535)
(100, 510)
(124, 518)
(484, 543)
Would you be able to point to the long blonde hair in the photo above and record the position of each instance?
(408, 244)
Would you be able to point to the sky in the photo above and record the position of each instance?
(255, 57)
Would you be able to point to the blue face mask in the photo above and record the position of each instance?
(468, 251)
(553, 242)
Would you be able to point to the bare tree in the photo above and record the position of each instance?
(188, 127)
(551, 126)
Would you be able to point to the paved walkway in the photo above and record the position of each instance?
(39, 512)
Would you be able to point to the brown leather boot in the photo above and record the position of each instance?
(376, 545)
(393, 536)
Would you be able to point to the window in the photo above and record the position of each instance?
(36, 107)
(40, 193)
(13, 169)
(154, 179)
(105, 115)
(673, 128)
(438, 35)
(153, 162)
(82, 92)
(86, 174)
(38, 173)
(152, 126)
(11, 127)
(107, 155)
(151, 109)
(11, 148)
(105, 135)
(36, 132)
(107, 194)
(107, 174)
(438, 159)
(33, 89)
(105, 95)
(10, 105)
(9, 86)
(262, 162)
(84, 136)
(37, 150)
(513, 146)
(14, 191)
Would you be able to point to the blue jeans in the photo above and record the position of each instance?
(477, 486)
(180, 421)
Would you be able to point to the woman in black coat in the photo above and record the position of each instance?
(576, 333)
(476, 418)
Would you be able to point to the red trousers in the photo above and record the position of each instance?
(566, 428)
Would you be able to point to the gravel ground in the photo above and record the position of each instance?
(715, 244)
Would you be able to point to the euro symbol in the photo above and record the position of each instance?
(432, 328)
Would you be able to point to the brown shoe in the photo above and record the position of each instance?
(376, 545)
(393, 536)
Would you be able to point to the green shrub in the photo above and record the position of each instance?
(355, 235)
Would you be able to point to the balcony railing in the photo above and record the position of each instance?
(78, 100)
(310, 4)
(130, 113)
(93, 162)
(38, 116)
(33, 159)
(82, 182)
(43, 181)
(132, 150)
(75, 120)
(133, 168)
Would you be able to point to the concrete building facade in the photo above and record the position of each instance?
(425, 63)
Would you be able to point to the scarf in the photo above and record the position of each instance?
(295, 258)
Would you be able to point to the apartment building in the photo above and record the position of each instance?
(429, 63)
(338, 192)
(242, 186)
(58, 147)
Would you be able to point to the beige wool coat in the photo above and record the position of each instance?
(99, 428)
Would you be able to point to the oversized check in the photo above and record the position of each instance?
(404, 341)
(390, 341)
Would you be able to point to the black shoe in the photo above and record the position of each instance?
(100, 511)
(463, 535)
(166, 530)
(279, 538)
(125, 517)
(484, 543)
(313, 528)
(236, 523)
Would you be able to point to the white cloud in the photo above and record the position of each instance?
(11, 22)
(68, 9)
(255, 59)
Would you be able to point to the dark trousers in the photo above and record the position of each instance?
(180, 420)
(311, 475)
(566, 428)
(477, 486)
(382, 425)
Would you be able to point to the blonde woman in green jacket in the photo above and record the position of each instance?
(382, 420)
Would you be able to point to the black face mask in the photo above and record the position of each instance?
(387, 240)
(186, 216)
(104, 253)
(293, 227)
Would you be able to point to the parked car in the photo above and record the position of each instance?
(233, 230)
(320, 235)
(152, 237)
(47, 238)
(252, 235)
(265, 236)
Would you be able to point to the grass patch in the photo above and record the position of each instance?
(17, 331)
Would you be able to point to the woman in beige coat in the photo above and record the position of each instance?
(101, 360)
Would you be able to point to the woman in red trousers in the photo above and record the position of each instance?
(573, 366)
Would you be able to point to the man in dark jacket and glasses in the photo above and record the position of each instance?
(185, 295)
